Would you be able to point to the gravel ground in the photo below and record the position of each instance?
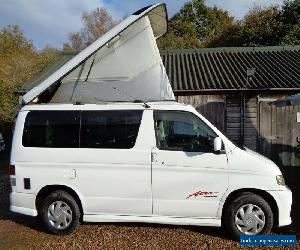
(22, 232)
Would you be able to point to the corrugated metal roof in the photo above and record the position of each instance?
(226, 68)
(217, 68)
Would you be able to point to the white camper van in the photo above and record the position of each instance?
(163, 163)
(101, 139)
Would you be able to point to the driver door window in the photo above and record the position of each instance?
(182, 131)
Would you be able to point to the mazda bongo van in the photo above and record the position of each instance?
(128, 162)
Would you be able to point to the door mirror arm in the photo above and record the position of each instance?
(220, 152)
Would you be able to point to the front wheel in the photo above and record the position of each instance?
(248, 214)
(60, 213)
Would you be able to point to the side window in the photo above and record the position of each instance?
(110, 129)
(51, 129)
(182, 131)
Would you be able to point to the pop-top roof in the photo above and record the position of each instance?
(122, 65)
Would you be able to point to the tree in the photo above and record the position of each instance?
(290, 13)
(259, 27)
(290, 17)
(268, 26)
(193, 24)
(19, 62)
(229, 37)
(197, 25)
(95, 23)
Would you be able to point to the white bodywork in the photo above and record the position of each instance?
(143, 184)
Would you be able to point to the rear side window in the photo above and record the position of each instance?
(110, 129)
(52, 129)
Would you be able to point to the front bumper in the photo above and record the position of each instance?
(283, 199)
(23, 203)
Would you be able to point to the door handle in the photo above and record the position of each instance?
(153, 157)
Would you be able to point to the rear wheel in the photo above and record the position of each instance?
(60, 213)
(248, 214)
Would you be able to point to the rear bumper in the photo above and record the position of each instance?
(284, 203)
(23, 203)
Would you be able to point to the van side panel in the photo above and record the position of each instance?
(108, 181)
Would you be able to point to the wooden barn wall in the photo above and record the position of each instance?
(250, 123)
(279, 137)
(242, 128)
(233, 118)
(225, 113)
(212, 107)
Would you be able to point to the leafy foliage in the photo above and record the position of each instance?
(260, 27)
(193, 24)
(19, 62)
(290, 17)
(197, 25)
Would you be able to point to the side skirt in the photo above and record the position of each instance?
(213, 222)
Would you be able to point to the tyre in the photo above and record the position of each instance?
(60, 213)
(248, 214)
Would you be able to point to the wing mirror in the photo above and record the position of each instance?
(217, 144)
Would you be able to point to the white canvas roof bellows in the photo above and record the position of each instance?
(122, 65)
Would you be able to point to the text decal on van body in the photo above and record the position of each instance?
(202, 194)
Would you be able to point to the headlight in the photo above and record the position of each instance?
(280, 180)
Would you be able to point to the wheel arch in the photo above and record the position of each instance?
(47, 190)
(262, 193)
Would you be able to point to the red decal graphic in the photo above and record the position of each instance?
(203, 194)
